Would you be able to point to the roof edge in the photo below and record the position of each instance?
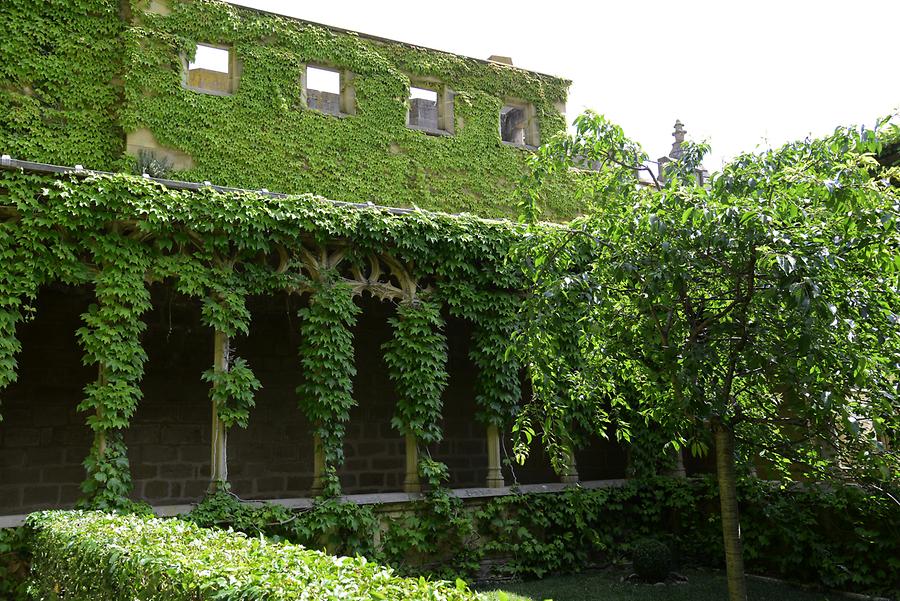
(376, 38)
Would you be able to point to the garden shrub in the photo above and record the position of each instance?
(842, 537)
(651, 560)
(14, 562)
(329, 525)
(98, 556)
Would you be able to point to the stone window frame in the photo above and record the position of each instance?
(347, 94)
(532, 131)
(445, 105)
(234, 71)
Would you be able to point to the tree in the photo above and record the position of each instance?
(758, 312)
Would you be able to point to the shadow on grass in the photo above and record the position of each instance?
(702, 585)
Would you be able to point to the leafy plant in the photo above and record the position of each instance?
(326, 354)
(416, 357)
(149, 163)
(651, 560)
(232, 392)
(759, 311)
(331, 525)
(116, 233)
(842, 537)
(102, 556)
(14, 564)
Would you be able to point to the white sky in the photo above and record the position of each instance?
(737, 74)
(209, 57)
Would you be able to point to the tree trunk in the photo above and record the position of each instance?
(731, 527)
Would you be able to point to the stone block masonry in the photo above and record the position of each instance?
(44, 439)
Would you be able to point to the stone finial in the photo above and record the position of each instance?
(679, 133)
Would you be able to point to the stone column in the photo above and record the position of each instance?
(570, 470)
(411, 481)
(677, 470)
(218, 465)
(494, 473)
(318, 466)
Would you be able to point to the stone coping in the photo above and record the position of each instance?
(389, 498)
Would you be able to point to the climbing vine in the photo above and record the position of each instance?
(78, 76)
(58, 101)
(232, 391)
(18, 285)
(110, 338)
(118, 233)
(326, 357)
(494, 315)
(369, 156)
(416, 357)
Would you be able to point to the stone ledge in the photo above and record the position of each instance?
(389, 498)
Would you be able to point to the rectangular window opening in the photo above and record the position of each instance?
(211, 70)
(210, 58)
(323, 90)
(512, 125)
(423, 109)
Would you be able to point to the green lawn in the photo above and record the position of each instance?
(606, 586)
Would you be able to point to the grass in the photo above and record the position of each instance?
(607, 586)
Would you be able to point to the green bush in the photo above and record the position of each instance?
(91, 555)
(651, 560)
(329, 525)
(13, 564)
(842, 537)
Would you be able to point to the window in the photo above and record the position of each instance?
(430, 110)
(212, 71)
(518, 125)
(326, 91)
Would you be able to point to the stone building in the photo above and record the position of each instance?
(230, 96)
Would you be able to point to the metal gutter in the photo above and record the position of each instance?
(10, 164)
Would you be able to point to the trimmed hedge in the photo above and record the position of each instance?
(92, 555)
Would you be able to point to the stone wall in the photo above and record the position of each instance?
(43, 439)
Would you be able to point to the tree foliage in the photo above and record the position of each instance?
(762, 308)
(767, 300)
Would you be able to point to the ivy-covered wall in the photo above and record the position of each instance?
(77, 77)
(60, 71)
(263, 136)
(122, 236)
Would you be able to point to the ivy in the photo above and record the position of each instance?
(117, 233)
(370, 156)
(14, 564)
(108, 483)
(326, 357)
(232, 392)
(111, 341)
(843, 537)
(336, 527)
(495, 317)
(416, 357)
(58, 100)
(76, 75)
(11, 310)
